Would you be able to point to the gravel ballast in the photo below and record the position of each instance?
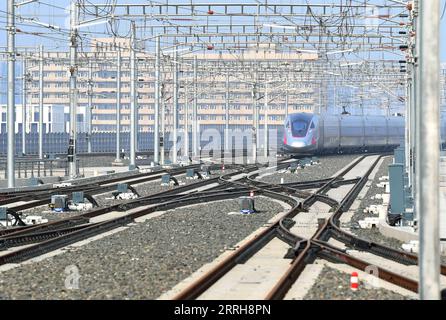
(327, 167)
(374, 234)
(332, 284)
(142, 261)
(104, 200)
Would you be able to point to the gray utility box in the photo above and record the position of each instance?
(247, 205)
(59, 202)
(397, 190)
(206, 168)
(3, 213)
(165, 179)
(190, 173)
(293, 167)
(122, 187)
(399, 156)
(33, 181)
(306, 161)
(78, 197)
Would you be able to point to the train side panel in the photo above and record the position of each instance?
(375, 131)
(395, 135)
(333, 133)
(329, 132)
(352, 132)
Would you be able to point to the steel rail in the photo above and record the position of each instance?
(318, 247)
(38, 194)
(117, 207)
(298, 264)
(49, 230)
(97, 228)
(246, 250)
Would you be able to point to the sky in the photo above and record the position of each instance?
(57, 16)
(53, 12)
(443, 33)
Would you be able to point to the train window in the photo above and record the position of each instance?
(299, 128)
(312, 125)
(287, 125)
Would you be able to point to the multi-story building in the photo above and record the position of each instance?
(55, 118)
(302, 96)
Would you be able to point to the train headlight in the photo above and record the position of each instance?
(298, 144)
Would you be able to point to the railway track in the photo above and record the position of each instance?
(45, 238)
(50, 236)
(43, 198)
(52, 228)
(261, 240)
(92, 188)
(303, 250)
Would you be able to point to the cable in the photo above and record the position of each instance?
(444, 10)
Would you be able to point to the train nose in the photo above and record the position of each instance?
(298, 144)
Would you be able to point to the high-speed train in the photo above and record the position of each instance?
(308, 133)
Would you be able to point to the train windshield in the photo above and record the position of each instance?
(299, 128)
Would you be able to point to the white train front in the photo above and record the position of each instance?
(308, 133)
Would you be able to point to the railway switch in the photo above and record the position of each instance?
(321, 222)
(125, 192)
(62, 185)
(206, 169)
(306, 162)
(32, 220)
(122, 187)
(293, 167)
(191, 174)
(78, 203)
(165, 180)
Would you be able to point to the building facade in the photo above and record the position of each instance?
(55, 118)
(211, 95)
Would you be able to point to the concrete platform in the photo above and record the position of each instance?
(254, 279)
(358, 171)
(305, 282)
(307, 222)
(207, 267)
(347, 216)
(98, 171)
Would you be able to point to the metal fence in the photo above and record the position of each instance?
(57, 143)
(29, 168)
